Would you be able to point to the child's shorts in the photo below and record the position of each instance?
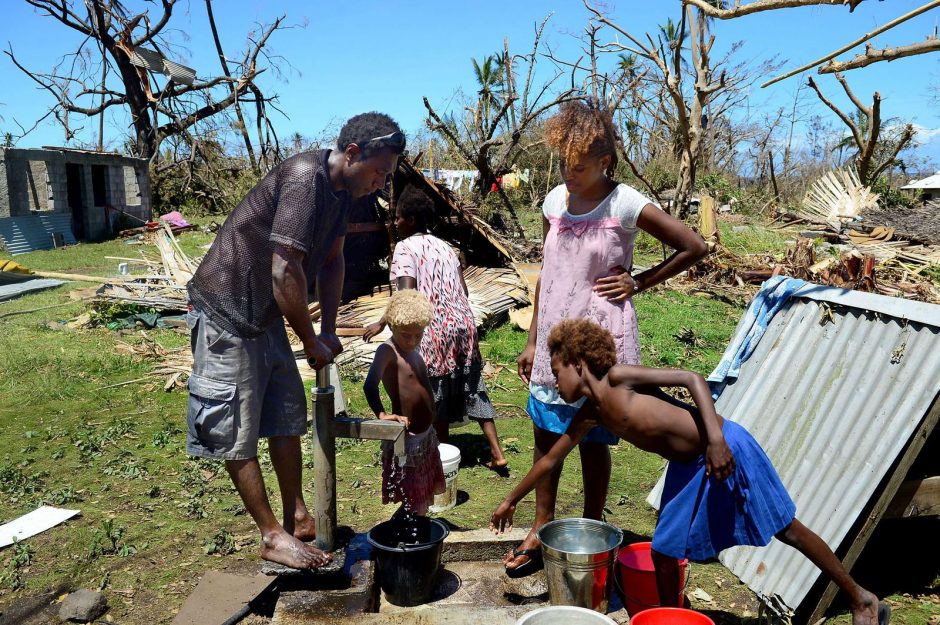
(423, 473)
(556, 418)
(699, 516)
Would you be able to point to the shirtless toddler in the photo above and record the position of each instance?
(399, 366)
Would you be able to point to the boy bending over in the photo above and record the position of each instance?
(721, 490)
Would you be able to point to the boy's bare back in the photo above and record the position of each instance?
(405, 379)
(631, 404)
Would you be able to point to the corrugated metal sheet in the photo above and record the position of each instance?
(833, 404)
(9, 291)
(27, 233)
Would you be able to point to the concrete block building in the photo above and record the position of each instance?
(50, 196)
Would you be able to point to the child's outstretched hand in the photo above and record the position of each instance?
(394, 417)
(719, 461)
(501, 521)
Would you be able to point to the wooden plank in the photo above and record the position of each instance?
(882, 501)
(368, 429)
(74, 276)
(350, 331)
(916, 498)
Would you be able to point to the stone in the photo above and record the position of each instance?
(329, 605)
(83, 606)
(335, 566)
(480, 545)
(528, 587)
(420, 615)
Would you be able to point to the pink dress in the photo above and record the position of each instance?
(578, 250)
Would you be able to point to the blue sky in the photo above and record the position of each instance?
(355, 56)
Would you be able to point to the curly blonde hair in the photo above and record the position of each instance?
(408, 307)
(579, 130)
(574, 340)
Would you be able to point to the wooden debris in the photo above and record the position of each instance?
(708, 221)
(879, 268)
(165, 287)
(72, 276)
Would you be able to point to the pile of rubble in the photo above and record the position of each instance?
(834, 245)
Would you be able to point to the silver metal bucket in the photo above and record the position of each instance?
(579, 559)
(565, 615)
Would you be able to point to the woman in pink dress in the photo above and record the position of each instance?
(450, 345)
(589, 225)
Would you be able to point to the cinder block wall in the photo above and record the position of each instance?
(35, 180)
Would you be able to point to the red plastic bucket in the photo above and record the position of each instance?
(637, 578)
(670, 616)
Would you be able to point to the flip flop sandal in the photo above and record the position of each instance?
(884, 613)
(530, 566)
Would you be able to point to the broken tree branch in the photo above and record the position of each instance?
(871, 55)
(860, 40)
(709, 9)
(856, 132)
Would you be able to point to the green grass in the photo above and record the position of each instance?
(150, 513)
(753, 238)
(90, 259)
(739, 236)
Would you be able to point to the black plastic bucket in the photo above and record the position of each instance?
(407, 565)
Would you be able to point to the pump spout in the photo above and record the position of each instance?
(328, 427)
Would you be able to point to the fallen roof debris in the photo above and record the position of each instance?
(32, 523)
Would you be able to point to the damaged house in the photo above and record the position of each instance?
(58, 196)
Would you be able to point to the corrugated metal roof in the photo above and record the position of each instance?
(930, 182)
(833, 404)
(27, 233)
(9, 291)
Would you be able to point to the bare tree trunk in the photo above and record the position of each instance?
(692, 124)
(238, 109)
(773, 176)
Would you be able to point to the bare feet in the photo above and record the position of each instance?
(281, 547)
(500, 466)
(305, 528)
(866, 612)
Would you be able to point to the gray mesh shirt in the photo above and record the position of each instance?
(293, 205)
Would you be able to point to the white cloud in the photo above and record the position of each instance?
(925, 134)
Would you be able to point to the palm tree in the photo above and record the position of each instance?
(627, 64)
(489, 75)
(670, 33)
(848, 141)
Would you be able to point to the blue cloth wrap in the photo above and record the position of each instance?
(701, 516)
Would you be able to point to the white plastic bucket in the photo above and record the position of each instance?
(450, 459)
(565, 615)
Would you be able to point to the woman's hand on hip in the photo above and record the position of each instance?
(524, 363)
(616, 287)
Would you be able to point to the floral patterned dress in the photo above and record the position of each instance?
(449, 347)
